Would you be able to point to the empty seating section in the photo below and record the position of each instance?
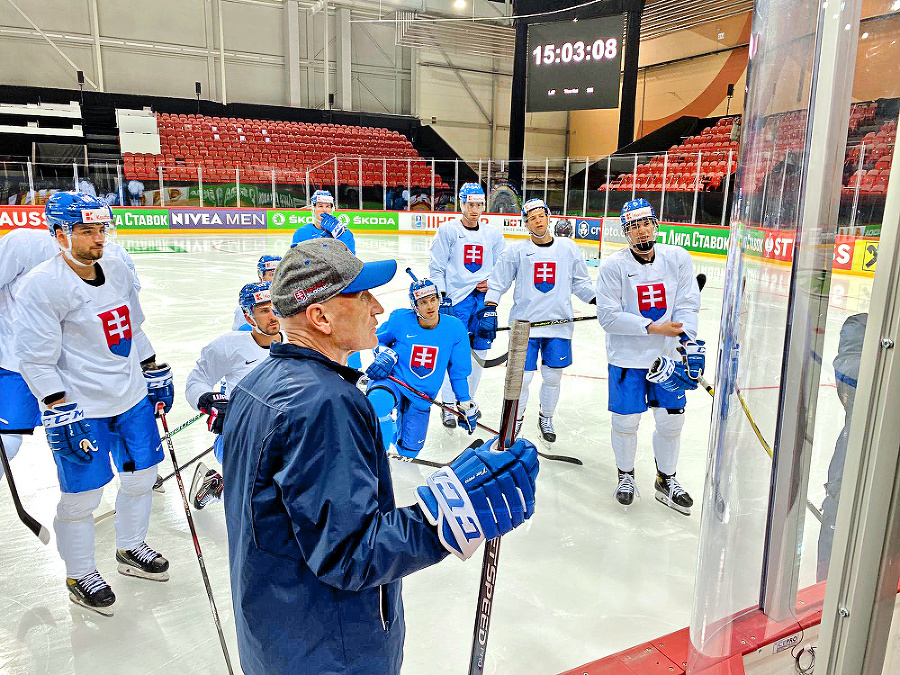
(875, 149)
(257, 147)
(679, 170)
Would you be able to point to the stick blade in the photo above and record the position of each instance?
(44, 535)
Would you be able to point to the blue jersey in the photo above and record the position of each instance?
(310, 231)
(424, 355)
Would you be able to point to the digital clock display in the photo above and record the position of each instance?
(575, 65)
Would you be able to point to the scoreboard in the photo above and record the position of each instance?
(575, 65)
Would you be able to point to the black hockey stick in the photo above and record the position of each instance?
(189, 462)
(500, 360)
(423, 395)
(554, 322)
(190, 519)
(512, 389)
(427, 462)
(39, 530)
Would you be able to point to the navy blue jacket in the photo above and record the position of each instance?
(316, 543)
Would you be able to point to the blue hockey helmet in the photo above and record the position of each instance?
(532, 204)
(66, 209)
(323, 196)
(471, 192)
(419, 289)
(267, 263)
(254, 294)
(634, 212)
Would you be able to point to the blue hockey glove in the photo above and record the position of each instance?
(381, 367)
(693, 354)
(487, 322)
(160, 386)
(482, 495)
(468, 411)
(332, 225)
(70, 434)
(446, 307)
(670, 375)
(214, 404)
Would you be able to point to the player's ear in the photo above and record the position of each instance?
(318, 319)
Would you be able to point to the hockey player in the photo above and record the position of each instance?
(265, 269)
(324, 223)
(317, 546)
(463, 254)
(647, 296)
(86, 359)
(418, 346)
(228, 357)
(20, 251)
(547, 271)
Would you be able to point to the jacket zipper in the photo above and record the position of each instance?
(382, 609)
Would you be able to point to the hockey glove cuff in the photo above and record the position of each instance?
(446, 306)
(487, 322)
(214, 404)
(469, 413)
(160, 386)
(381, 367)
(70, 434)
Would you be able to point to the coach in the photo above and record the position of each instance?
(317, 546)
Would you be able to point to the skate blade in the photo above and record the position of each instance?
(664, 500)
(548, 445)
(103, 611)
(131, 571)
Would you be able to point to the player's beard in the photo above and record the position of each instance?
(88, 255)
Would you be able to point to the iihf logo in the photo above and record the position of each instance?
(117, 330)
(422, 360)
(652, 300)
(544, 276)
(473, 257)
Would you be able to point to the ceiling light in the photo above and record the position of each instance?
(459, 4)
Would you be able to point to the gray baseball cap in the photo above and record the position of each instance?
(319, 269)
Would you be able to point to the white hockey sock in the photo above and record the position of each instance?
(447, 395)
(623, 437)
(74, 527)
(551, 379)
(667, 439)
(11, 445)
(475, 376)
(527, 376)
(133, 507)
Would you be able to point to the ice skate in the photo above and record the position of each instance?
(670, 493)
(626, 489)
(92, 592)
(206, 486)
(548, 433)
(143, 562)
(448, 417)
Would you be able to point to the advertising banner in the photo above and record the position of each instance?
(217, 219)
(865, 255)
(356, 221)
(128, 218)
(702, 239)
(13, 217)
(421, 221)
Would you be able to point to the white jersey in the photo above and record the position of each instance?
(238, 318)
(20, 252)
(82, 339)
(229, 357)
(632, 295)
(546, 276)
(461, 258)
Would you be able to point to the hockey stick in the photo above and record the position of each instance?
(427, 462)
(554, 322)
(189, 462)
(706, 385)
(423, 395)
(184, 426)
(512, 389)
(39, 530)
(500, 360)
(190, 519)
